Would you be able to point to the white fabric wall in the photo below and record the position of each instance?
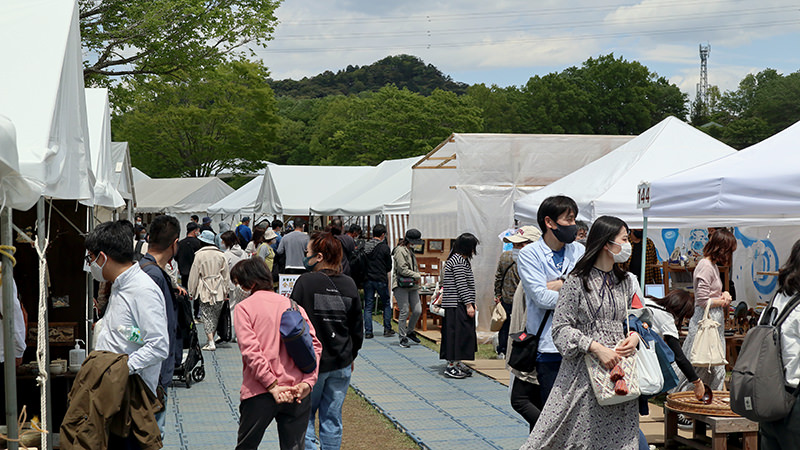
(434, 209)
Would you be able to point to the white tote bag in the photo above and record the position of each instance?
(651, 380)
(707, 349)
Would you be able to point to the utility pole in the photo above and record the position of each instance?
(702, 86)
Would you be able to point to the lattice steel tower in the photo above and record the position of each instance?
(702, 86)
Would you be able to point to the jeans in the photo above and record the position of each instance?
(327, 397)
(643, 442)
(502, 335)
(408, 304)
(258, 412)
(526, 400)
(382, 289)
(546, 372)
(161, 417)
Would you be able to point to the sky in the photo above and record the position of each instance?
(506, 42)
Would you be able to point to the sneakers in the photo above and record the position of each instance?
(389, 333)
(368, 335)
(501, 356)
(404, 343)
(210, 347)
(413, 337)
(464, 369)
(684, 422)
(454, 372)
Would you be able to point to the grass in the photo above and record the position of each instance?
(365, 428)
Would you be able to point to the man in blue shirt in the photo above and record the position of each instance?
(542, 268)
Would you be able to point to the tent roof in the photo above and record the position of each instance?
(15, 191)
(179, 195)
(98, 115)
(759, 185)
(122, 175)
(291, 190)
(241, 201)
(386, 184)
(43, 95)
(608, 185)
(138, 175)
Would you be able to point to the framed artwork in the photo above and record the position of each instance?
(418, 247)
(436, 245)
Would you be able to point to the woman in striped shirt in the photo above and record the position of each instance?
(458, 300)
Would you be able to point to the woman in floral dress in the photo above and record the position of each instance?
(590, 319)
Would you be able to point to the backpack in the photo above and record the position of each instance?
(297, 339)
(757, 380)
(358, 265)
(137, 251)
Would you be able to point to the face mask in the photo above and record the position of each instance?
(566, 233)
(624, 253)
(307, 262)
(514, 253)
(139, 222)
(97, 270)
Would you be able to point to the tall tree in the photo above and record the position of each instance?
(220, 119)
(122, 37)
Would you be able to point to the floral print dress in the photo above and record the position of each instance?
(572, 419)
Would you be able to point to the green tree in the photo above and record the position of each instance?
(221, 119)
(122, 37)
(500, 106)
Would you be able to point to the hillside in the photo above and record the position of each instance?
(404, 71)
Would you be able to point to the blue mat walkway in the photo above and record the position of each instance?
(405, 384)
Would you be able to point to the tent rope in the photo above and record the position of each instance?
(8, 251)
(23, 416)
(42, 331)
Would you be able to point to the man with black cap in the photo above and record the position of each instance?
(243, 232)
(186, 250)
(206, 225)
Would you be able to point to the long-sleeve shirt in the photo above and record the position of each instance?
(790, 341)
(294, 246)
(257, 320)
(536, 267)
(149, 266)
(19, 327)
(458, 282)
(506, 278)
(405, 265)
(210, 278)
(136, 301)
(707, 282)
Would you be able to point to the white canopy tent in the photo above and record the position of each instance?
(138, 175)
(44, 95)
(607, 186)
(241, 202)
(291, 190)
(122, 175)
(16, 191)
(180, 197)
(470, 181)
(99, 118)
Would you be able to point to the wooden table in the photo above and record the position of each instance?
(732, 346)
(720, 427)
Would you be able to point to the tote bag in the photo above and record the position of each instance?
(651, 380)
(603, 386)
(499, 317)
(707, 348)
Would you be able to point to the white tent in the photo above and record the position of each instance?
(138, 175)
(291, 190)
(179, 197)
(607, 186)
(470, 181)
(99, 118)
(759, 185)
(15, 190)
(386, 186)
(241, 202)
(42, 93)
(122, 175)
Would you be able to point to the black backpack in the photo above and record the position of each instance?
(358, 265)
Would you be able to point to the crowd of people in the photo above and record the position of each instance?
(570, 283)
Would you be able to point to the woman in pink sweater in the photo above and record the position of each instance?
(272, 385)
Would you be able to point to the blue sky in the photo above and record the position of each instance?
(506, 42)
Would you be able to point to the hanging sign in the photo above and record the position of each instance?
(643, 195)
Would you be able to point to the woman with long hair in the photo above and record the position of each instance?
(782, 434)
(334, 306)
(590, 318)
(708, 290)
(273, 387)
(458, 300)
(405, 287)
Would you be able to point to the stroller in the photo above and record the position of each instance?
(188, 370)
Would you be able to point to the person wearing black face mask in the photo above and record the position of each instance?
(542, 268)
(164, 233)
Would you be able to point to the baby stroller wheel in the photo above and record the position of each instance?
(199, 373)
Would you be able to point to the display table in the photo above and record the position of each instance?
(720, 427)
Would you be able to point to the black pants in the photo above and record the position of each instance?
(526, 399)
(502, 335)
(257, 413)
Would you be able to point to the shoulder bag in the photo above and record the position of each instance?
(707, 349)
(524, 347)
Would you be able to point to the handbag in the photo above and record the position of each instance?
(525, 347)
(435, 306)
(651, 380)
(605, 388)
(297, 339)
(224, 324)
(707, 348)
(499, 317)
(406, 282)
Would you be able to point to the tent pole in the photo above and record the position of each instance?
(644, 254)
(10, 367)
(47, 418)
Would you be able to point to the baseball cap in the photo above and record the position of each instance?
(527, 233)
